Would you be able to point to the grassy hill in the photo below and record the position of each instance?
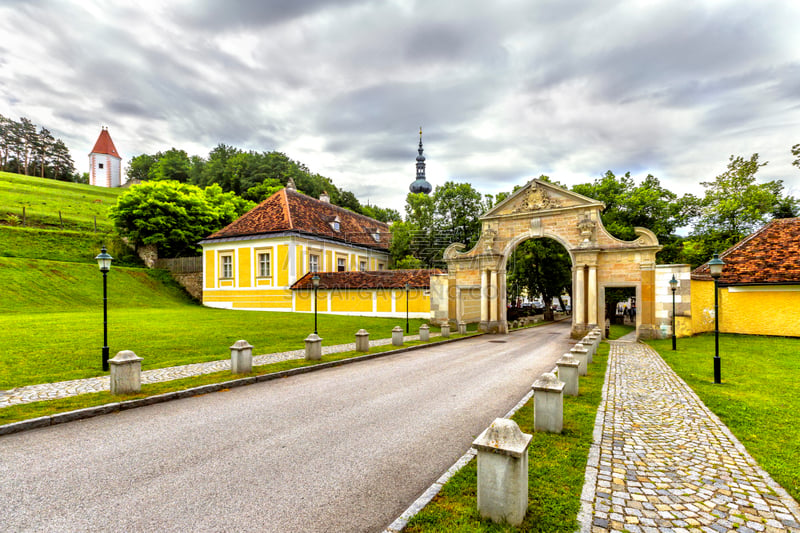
(80, 205)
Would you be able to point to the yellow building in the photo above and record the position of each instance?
(253, 262)
(759, 288)
(378, 293)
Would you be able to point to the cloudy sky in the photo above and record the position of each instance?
(504, 90)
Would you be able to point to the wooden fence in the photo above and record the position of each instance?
(181, 265)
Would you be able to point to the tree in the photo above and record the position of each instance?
(541, 267)
(458, 207)
(734, 205)
(647, 205)
(173, 215)
(796, 154)
(139, 167)
(173, 165)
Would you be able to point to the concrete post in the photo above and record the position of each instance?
(580, 353)
(241, 357)
(462, 328)
(446, 330)
(126, 373)
(424, 332)
(503, 472)
(548, 404)
(313, 347)
(362, 340)
(397, 336)
(568, 373)
(593, 340)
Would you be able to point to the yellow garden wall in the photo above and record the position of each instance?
(752, 310)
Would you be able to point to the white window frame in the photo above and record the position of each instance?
(313, 262)
(264, 272)
(341, 264)
(225, 263)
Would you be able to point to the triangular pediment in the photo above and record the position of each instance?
(538, 195)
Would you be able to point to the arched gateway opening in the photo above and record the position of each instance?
(474, 287)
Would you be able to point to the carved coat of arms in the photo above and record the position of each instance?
(536, 199)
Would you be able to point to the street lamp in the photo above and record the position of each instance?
(715, 266)
(315, 283)
(673, 285)
(104, 262)
(407, 287)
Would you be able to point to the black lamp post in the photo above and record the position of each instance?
(315, 283)
(407, 287)
(715, 266)
(104, 262)
(673, 285)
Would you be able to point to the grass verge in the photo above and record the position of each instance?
(619, 330)
(758, 399)
(16, 413)
(555, 476)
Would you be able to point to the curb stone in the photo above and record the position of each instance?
(90, 412)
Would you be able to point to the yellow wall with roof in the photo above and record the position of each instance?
(751, 310)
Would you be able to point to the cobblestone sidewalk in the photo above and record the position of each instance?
(662, 462)
(64, 389)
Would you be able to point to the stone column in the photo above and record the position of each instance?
(397, 336)
(446, 330)
(241, 357)
(424, 332)
(362, 340)
(592, 295)
(126, 373)
(548, 404)
(503, 472)
(580, 353)
(568, 373)
(313, 347)
(484, 296)
(462, 328)
(502, 304)
(493, 296)
(578, 305)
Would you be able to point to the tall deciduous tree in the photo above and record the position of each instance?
(541, 267)
(173, 215)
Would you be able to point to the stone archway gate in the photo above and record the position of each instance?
(474, 287)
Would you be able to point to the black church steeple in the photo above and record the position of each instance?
(420, 184)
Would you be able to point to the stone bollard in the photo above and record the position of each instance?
(568, 373)
(580, 353)
(397, 336)
(424, 332)
(446, 330)
(462, 328)
(313, 347)
(503, 472)
(241, 357)
(548, 404)
(126, 373)
(362, 341)
(594, 340)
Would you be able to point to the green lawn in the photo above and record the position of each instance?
(63, 245)
(51, 322)
(759, 398)
(619, 330)
(556, 471)
(79, 204)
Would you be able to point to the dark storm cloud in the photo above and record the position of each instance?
(215, 15)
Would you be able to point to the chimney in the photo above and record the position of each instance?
(324, 197)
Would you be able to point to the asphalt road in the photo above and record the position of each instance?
(339, 450)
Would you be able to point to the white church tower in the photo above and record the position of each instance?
(105, 163)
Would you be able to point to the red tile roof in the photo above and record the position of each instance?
(105, 145)
(290, 211)
(771, 255)
(374, 279)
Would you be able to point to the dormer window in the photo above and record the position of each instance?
(377, 235)
(335, 224)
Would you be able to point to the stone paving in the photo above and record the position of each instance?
(64, 389)
(662, 462)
